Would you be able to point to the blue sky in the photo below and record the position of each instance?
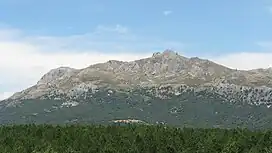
(36, 36)
(201, 26)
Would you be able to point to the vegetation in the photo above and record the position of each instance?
(33, 138)
(201, 110)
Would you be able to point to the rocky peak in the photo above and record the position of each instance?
(158, 67)
(55, 74)
(157, 54)
(168, 54)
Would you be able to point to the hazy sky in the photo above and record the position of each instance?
(36, 36)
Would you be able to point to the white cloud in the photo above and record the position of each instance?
(167, 12)
(245, 60)
(117, 28)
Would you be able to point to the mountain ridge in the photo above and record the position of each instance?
(163, 68)
(166, 88)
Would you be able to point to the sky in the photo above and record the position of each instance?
(36, 36)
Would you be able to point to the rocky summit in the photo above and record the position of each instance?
(165, 88)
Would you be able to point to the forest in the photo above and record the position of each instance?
(131, 138)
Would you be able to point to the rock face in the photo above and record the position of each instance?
(165, 88)
(162, 69)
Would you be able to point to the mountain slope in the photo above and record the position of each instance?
(166, 86)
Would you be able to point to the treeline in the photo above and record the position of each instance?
(130, 139)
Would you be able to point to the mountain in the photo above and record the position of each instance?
(165, 88)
